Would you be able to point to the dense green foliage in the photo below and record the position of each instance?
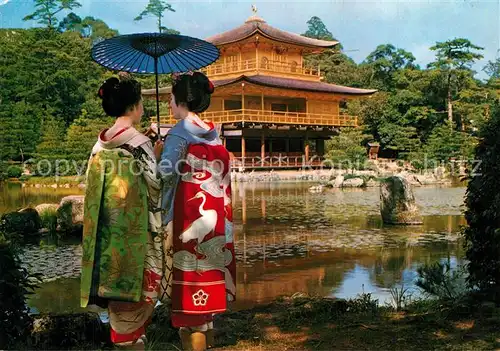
(48, 102)
(346, 151)
(15, 286)
(412, 105)
(483, 212)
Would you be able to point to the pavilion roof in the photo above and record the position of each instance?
(257, 25)
(277, 82)
(295, 84)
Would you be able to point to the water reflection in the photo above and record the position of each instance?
(332, 244)
(335, 243)
(14, 197)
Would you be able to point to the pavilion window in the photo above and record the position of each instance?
(264, 63)
(343, 106)
(278, 107)
(232, 105)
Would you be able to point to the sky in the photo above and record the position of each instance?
(359, 25)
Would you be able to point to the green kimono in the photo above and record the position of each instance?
(116, 222)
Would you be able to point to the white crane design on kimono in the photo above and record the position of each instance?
(202, 226)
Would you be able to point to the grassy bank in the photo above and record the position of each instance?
(305, 323)
(71, 180)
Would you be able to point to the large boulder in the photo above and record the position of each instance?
(69, 331)
(353, 183)
(397, 202)
(70, 213)
(25, 222)
(337, 182)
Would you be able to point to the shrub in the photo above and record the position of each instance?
(24, 177)
(482, 234)
(15, 285)
(346, 150)
(400, 297)
(363, 303)
(14, 172)
(441, 281)
(48, 219)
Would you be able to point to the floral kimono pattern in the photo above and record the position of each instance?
(122, 263)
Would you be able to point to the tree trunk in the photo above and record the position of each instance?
(450, 106)
(159, 24)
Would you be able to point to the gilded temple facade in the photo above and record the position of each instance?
(273, 110)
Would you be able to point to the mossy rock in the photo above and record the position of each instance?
(26, 222)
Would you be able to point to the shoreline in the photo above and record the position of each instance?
(322, 177)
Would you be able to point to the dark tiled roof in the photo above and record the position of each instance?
(257, 25)
(296, 84)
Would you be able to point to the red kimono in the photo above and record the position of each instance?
(204, 264)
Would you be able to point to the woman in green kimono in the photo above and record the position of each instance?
(122, 256)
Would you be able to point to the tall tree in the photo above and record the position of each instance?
(94, 28)
(156, 8)
(317, 29)
(492, 69)
(452, 57)
(71, 22)
(89, 27)
(46, 10)
(385, 61)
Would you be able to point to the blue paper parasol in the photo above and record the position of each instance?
(154, 53)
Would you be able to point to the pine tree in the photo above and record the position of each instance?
(156, 8)
(46, 10)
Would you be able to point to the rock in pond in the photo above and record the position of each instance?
(397, 202)
(353, 183)
(25, 222)
(337, 182)
(70, 213)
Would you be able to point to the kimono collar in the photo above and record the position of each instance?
(195, 127)
(130, 136)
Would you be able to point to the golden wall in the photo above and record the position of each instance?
(326, 107)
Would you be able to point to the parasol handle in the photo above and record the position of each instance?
(157, 99)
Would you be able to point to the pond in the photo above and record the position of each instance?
(288, 240)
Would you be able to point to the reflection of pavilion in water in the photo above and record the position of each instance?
(281, 250)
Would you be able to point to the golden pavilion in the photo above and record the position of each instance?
(273, 110)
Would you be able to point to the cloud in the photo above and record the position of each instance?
(3, 2)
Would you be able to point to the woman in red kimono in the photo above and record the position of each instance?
(197, 214)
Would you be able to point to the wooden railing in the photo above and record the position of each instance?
(267, 116)
(252, 65)
(277, 161)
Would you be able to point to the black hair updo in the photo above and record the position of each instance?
(119, 96)
(194, 91)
